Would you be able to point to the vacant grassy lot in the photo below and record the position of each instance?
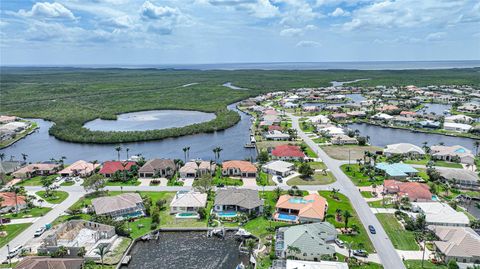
(401, 239)
(319, 178)
(29, 213)
(12, 231)
(359, 178)
(342, 152)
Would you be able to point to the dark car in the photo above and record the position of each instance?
(372, 229)
(4, 220)
(360, 253)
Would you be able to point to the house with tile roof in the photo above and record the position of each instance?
(396, 170)
(157, 168)
(441, 214)
(126, 205)
(461, 244)
(452, 154)
(193, 169)
(414, 191)
(460, 178)
(311, 241)
(79, 168)
(405, 149)
(238, 168)
(288, 153)
(110, 167)
(310, 208)
(40, 262)
(11, 202)
(188, 201)
(237, 199)
(37, 169)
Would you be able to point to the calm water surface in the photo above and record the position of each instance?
(382, 136)
(182, 250)
(41, 146)
(438, 109)
(150, 120)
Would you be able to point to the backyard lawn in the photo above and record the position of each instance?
(12, 231)
(379, 204)
(358, 178)
(55, 197)
(417, 264)
(34, 181)
(29, 213)
(367, 194)
(361, 240)
(401, 239)
(226, 181)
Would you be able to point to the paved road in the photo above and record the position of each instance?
(387, 253)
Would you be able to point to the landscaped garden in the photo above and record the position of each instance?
(52, 196)
(35, 181)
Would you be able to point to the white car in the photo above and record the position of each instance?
(14, 252)
(39, 231)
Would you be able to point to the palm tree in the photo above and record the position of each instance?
(102, 251)
(277, 192)
(293, 249)
(346, 216)
(186, 152)
(334, 193)
(16, 191)
(198, 162)
(219, 149)
(127, 150)
(250, 244)
(476, 145)
(118, 149)
(2, 156)
(348, 245)
(24, 157)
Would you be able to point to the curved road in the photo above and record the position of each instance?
(387, 253)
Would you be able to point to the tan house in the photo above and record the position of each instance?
(157, 168)
(37, 169)
(79, 168)
(461, 244)
(193, 169)
(239, 168)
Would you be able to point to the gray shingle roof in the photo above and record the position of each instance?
(245, 198)
(151, 165)
(107, 204)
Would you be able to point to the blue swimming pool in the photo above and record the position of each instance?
(286, 217)
(434, 198)
(229, 214)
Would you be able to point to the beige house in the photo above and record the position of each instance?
(188, 201)
(37, 169)
(452, 153)
(193, 169)
(79, 168)
(461, 244)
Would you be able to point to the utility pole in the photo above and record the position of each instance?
(9, 258)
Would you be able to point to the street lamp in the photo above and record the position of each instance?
(8, 255)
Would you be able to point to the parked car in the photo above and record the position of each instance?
(360, 253)
(5, 220)
(14, 252)
(372, 229)
(339, 243)
(39, 231)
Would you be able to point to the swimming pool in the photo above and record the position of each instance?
(299, 200)
(187, 215)
(434, 198)
(286, 217)
(228, 214)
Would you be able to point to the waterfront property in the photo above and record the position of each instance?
(126, 205)
(110, 167)
(305, 242)
(195, 169)
(452, 154)
(243, 169)
(440, 214)
(310, 208)
(457, 127)
(78, 236)
(405, 149)
(397, 170)
(279, 168)
(34, 262)
(414, 191)
(460, 178)
(37, 169)
(288, 153)
(8, 167)
(236, 199)
(461, 244)
(11, 202)
(79, 168)
(157, 168)
(188, 202)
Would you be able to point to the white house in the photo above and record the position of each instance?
(459, 119)
(441, 214)
(276, 135)
(279, 168)
(188, 201)
(403, 149)
(457, 127)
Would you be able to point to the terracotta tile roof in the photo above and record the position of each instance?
(110, 167)
(274, 127)
(288, 151)
(311, 206)
(50, 263)
(244, 166)
(414, 190)
(81, 167)
(9, 199)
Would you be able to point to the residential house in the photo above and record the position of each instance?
(157, 168)
(126, 205)
(8, 167)
(414, 191)
(461, 244)
(330, 130)
(236, 199)
(110, 167)
(188, 201)
(357, 114)
(405, 149)
(469, 108)
(310, 241)
(403, 121)
(279, 168)
(39, 262)
(452, 154)
(79, 168)
(388, 108)
(457, 127)
(276, 135)
(459, 119)
(441, 214)
(16, 126)
(11, 203)
(397, 170)
(382, 116)
(427, 124)
(460, 178)
(339, 116)
(310, 208)
(37, 169)
(319, 119)
(7, 119)
(243, 169)
(288, 153)
(341, 139)
(195, 169)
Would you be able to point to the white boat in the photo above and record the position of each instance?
(243, 233)
(240, 266)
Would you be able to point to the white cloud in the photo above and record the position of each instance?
(291, 32)
(124, 21)
(263, 9)
(150, 11)
(308, 44)
(162, 19)
(436, 36)
(339, 12)
(48, 10)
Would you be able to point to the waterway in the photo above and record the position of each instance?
(150, 120)
(40, 146)
(340, 83)
(382, 136)
(437, 109)
(181, 250)
(233, 87)
(355, 98)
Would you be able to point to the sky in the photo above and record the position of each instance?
(69, 32)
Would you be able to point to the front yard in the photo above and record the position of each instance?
(319, 178)
(358, 177)
(401, 239)
(12, 231)
(34, 181)
(55, 197)
(29, 213)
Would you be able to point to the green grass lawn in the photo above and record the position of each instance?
(367, 194)
(436, 163)
(361, 240)
(401, 239)
(417, 264)
(34, 181)
(317, 179)
(358, 178)
(265, 179)
(68, 183)
(133, 182)
(29, 213)
(12, 231)
(379, 204)
(55, 197)
(226, 181)
(310, 153)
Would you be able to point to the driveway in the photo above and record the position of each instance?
(249, 182)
